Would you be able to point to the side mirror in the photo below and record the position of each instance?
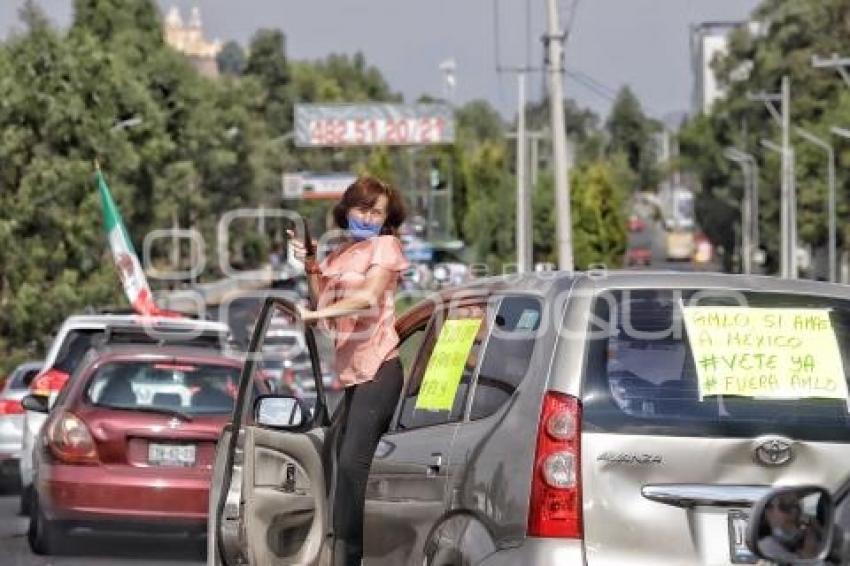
(36, 403)
(281, 411)
(792, 525)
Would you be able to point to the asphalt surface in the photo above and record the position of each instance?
(86, 549)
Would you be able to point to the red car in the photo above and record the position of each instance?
(131, 442)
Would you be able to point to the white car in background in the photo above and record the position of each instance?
(75, 337)
(12, 420)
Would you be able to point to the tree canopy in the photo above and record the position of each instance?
(180, 150)
(783, 38)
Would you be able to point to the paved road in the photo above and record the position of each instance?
(90, 550)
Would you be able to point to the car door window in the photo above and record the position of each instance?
(409, 347)
(413, 415)
(507, 354)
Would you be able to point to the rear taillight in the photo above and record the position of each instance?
(70, 441)
(51, 381)
(11, 407)
(555, 506)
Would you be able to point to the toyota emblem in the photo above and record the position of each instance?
(174, 423)
(774, 452)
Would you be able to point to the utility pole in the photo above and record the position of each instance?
(563, 224)
(523, 219)
(791, 230)
(830, 173)
(840, 64)
(789, 191)
(788, 198)
(534, 137)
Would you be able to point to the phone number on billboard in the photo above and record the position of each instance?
(378, 132)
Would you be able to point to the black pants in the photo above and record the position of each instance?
(364, 415)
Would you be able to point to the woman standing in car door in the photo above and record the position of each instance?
(355, 286)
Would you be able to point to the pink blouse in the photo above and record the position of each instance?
(363, 341)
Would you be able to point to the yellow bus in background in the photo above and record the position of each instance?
(680, 244)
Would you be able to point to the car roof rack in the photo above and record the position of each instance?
(124, 310)
(165, 335)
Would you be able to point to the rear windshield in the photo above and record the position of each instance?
(768, 364)
(192, 389)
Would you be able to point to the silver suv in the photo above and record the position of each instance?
(630, 418)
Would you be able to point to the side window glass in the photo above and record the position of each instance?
(409, 347)
(508, 354)
(29, 376)
(441, 377)
(76, 343)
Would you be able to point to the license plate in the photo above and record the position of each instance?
(172, 455)
(738, 551)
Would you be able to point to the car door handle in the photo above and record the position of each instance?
(435, 464)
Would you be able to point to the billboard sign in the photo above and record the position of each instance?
(315, 186)
(340, 125)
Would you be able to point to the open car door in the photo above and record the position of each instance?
(268, 499)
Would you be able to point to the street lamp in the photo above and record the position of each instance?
(789, 248)
(449, 68)
(830, 155)
(749, 205)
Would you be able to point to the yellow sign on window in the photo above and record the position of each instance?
(445, 367)
(770, 353)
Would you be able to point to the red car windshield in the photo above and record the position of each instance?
(187, 388)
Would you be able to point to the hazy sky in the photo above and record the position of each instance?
(642, 43)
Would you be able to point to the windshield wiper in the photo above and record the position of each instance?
(156, 410)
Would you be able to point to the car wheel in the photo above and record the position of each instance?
(26, 501)
(45, 537)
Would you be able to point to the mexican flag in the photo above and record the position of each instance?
(126, 261)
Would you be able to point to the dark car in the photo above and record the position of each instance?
(130, 442)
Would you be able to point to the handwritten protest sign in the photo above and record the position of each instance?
(766, 353)
(445, 367)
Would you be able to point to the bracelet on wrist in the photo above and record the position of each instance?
(311, 267)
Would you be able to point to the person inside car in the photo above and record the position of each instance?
(791, 535)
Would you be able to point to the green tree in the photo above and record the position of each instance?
(489, 222)
(599, 195)
(231, 59)
(267, 62)
(782, 42)
(598, 216)
(632, 133)
(172, 144)
(134, 26)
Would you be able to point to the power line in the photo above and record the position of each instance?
(590, 82)
(587, 85)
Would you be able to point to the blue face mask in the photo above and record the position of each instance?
(362, 230)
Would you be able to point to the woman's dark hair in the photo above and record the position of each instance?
(363, 193)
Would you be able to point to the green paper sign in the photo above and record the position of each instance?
(766, 353)
(445, 368)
